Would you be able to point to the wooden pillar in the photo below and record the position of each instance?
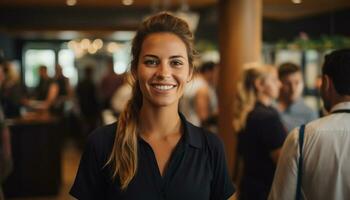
(240, 43)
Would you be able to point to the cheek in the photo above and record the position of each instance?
(142, 76)
(274, 88)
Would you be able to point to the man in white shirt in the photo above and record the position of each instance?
(326, 149)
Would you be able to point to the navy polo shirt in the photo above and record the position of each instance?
(197, 169)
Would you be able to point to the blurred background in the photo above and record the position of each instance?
(65, 64)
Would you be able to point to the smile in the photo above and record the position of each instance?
(163, 87)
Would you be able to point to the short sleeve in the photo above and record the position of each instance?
(274, 133)
(89, 182)
(222, 187)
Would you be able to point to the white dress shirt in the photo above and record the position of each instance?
(326, 160)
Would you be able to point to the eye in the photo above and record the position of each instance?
(151, 62)
(176, 63)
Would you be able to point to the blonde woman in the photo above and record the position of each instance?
(152, 152)
(261, 133)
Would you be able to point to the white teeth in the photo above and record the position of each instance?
(164, 87)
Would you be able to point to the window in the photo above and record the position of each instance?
(66, 60)
(33, 58)
(121, 58)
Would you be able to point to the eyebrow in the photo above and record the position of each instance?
(171, 57)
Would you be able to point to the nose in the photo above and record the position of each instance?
(163, 70)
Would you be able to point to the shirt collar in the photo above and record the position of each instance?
(192, 134)
(341, 106)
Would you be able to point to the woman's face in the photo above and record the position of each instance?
(271, 85)
(163, 69)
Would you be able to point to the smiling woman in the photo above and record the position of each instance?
(163, 69)
(152, 152)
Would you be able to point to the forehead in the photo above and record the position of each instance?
(293, 76)
(163, 44)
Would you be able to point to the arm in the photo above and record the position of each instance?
(233, 197)
(89, 183)
(273, 136)
(275, 154)
(285, 180)
(221, 186)
(51, 96)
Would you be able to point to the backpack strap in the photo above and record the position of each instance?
(300, 163)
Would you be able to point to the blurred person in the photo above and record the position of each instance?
(11, 91)
(325, 148)
(189, 105)
(206, 97)
(110, 82)
(5, 142)
(153, 152)
(88, 102)
(64, 93)
(290, 104)
(62, 82)
(260, 130)
(121, 97)
(45, 93)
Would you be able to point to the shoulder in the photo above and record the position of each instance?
(213, 140)
(208, 141)
(104, 133)
(264, 114)
(301, 106)
(101, 141)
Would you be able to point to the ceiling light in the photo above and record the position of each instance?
(112, 47)
(85, 43)
(92, 49)
(71, 2)
(296, 1)
(97, 43)
(127, 2)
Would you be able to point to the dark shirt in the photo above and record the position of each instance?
(42, 89)
(197, 170)
(264, 132)
(87, 97)
(62, 83)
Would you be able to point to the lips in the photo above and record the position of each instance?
(163, 87)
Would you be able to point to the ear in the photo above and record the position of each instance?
(326, 83)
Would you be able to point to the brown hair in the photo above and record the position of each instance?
(123, 158)
(287, 68)
(246, 95)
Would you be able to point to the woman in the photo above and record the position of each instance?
(261, 133)
(152, 152)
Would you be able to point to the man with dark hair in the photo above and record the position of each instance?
(325, 148)
(290, 104)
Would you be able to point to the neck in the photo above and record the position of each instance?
(267, 101)
(159, 122)
(340, 99)
(283, 104)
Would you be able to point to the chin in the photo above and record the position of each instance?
(162, 102)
